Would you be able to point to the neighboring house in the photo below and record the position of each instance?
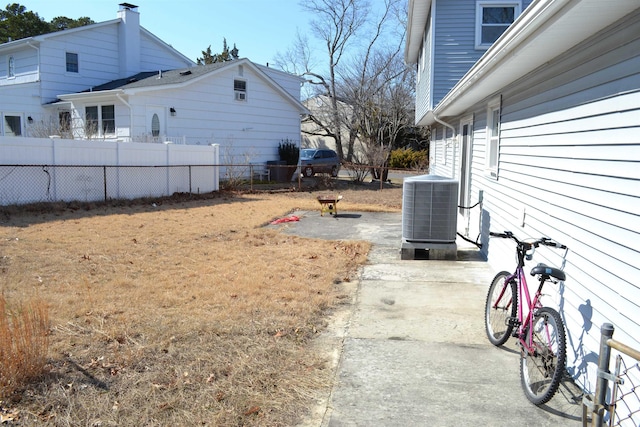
(35, 70)
(313, 136)
(543, 126)
(246, 108)
(115, 81)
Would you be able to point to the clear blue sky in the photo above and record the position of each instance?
(259, 28)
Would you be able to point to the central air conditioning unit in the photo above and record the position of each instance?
(429, 213)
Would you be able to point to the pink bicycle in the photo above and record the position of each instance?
(511, 311)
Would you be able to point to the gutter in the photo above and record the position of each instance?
(538, 14)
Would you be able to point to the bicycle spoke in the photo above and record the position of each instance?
(542, 364)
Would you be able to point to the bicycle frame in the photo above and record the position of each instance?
(532, 305)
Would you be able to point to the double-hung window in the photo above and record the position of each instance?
(72, 62)
(108, 120)
(100, 121)
(492, 19)
(493, 138)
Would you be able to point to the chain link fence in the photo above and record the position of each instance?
(23, 184)
(616, 401)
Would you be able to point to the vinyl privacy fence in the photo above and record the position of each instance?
(43, 170)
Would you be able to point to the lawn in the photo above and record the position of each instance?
(179, 311)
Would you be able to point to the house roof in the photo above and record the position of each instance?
(419, 11)
(545, 29)
(150, 79)
(36, 40)
(169, 79)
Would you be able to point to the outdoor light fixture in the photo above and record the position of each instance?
(172, 111)
(30, 119)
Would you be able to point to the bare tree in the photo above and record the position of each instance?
(363, 59)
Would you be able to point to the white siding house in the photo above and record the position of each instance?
(235, 104)
(74, 60)
(115, 81)
(544, 128)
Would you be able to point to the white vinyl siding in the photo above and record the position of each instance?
(569, 158)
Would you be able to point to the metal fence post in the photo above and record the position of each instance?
(603, 369)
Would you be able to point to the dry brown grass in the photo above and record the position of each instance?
(23, 343)
(183, 313)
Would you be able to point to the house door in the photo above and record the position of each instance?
(466, 133)
(156, 123)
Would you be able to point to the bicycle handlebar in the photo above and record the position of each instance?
(545, 241)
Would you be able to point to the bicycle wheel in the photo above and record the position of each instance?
(502, 300)
(542, 368)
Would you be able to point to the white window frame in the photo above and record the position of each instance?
(492, 154)
(240, 93)
(5, 125)
(480, 5)
(11, 67)
(100, 123)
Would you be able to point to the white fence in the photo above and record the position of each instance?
(47, 170)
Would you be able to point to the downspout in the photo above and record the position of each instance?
(39, 86)
(130, 115)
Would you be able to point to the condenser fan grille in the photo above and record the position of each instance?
(429, 209)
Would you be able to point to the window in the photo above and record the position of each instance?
(108, 119)
(99, 121)
(492, 19)
(12, 126)
(240, 90)
(493, 138)
(155, 126)
(64, 118)
(72, 62)
(11, 67)
(91, 121)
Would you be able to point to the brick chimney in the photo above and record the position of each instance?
(129, 39)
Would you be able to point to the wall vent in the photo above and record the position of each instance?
(429, 209)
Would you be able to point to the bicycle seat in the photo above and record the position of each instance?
(545, 270)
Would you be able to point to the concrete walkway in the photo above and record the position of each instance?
(412, 350)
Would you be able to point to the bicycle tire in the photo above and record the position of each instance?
(498, 307)
(542, 371)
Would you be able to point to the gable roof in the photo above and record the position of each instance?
(171, 79)
(546, 29)
(36, 40)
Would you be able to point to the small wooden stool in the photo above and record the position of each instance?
(329, 203)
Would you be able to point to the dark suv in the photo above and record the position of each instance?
(319, 160)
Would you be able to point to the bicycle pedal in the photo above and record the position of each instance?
(512, 321)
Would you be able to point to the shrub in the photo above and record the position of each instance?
(407, 158)
(23, 344)
(289, 151)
